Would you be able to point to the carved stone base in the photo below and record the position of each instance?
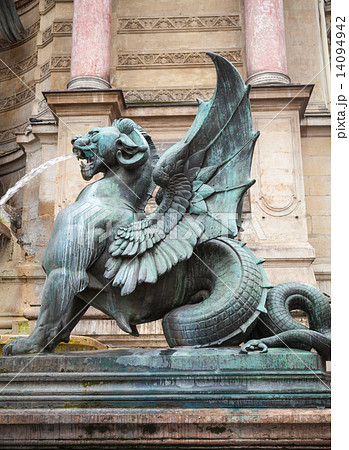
(87, 83)
(267, 77)
(116, 428)
(171, 398)
(176, 378)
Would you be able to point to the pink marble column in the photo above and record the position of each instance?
(90, 60)
(265, 42)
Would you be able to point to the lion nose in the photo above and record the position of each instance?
(77, 136)
(81, 141)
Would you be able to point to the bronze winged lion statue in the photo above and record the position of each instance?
(181, 262)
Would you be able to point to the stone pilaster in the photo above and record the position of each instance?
(276, 228)
(90, 60)
(265, 42)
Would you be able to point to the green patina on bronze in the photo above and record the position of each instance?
(180, 263)
(166, 378)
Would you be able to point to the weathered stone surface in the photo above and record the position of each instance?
(145, 428)
(176, 378)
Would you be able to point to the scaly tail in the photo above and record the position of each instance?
(279, 329)
(236, 298)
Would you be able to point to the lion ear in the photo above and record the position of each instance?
(134, 162)
(127, 142)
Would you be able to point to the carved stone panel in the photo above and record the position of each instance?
(19, 67)
(172, 95)
(278, 166)
(18, 99)
(178, 23)
(164, 59)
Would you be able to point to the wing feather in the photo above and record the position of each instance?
(191, 175)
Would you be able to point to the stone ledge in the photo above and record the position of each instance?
(166, 428)
(182, 377)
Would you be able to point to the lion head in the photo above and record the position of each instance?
(123, 144)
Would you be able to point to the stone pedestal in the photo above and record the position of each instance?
(177, 398)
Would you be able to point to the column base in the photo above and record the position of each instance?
(267, 77)
(87, 83)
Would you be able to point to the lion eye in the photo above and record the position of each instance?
(93, 132)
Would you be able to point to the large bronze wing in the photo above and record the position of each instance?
(203, 179)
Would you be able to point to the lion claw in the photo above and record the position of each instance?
(18, 346)
(254, 346)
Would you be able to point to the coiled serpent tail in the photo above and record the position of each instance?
(279, 329)
(237, 295)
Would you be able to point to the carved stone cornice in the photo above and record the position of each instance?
(167, 95)
(19, 67)
(46, 36)
(47, 5)
(18, 99)
(9, 134)
(62, 27)
(27, 34)
(165, 59)
(125, 60)
(44, 70)
(109, 102)
(57, 63)
(178, 23)
(23, 4)
(58, 28)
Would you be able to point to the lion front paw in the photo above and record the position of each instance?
(254, 345)
(19, 346)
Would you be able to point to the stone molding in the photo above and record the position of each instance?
(43, 109)
(88, 82)
(62, 27)
(126, 60)
(60, 63)
(145, 60)
(18, 99)
(178, 23)
(47, 5)
(9, 134)
(46, 36)
(57, 63)
(19, 67)
(27, 34)
(10, 162)
(45, 70)
(167, 95)
(267, 77)
(23, 4)
(111, 428)
(71, 103)
(58, 28)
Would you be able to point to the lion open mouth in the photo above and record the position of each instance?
(87, 168)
